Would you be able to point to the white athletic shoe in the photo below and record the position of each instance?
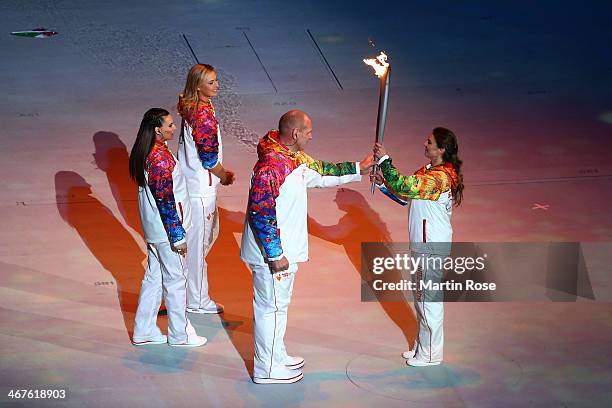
(213, 308)
(415, 362)
(408, 354)
(143, 341)
(288, 380)
(192, 341)
(294, 363)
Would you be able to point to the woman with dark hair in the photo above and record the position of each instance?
(165, 213)
(200, 157)
(432, 191)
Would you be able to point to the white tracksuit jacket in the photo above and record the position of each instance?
(276, 219)
(165, 211)
(200, 149)
(431, 202)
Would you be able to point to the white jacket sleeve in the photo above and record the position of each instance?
(325, 174)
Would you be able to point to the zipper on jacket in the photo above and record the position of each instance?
(424, 230)
(209, 178)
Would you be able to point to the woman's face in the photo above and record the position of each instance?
(432, 151)
(166, 131)
(209, 86)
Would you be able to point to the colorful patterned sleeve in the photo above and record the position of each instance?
(160, 184)
(265, 186)
(204, 131)
(427, 186)
(332, 169)
(383, 189)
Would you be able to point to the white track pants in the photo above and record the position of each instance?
(429, 308)
(272, 295)
(165, 274)
(200, 238)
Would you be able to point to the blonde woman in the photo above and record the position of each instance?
(200, 157)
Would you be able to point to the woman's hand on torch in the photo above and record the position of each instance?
(379, 151)
(377, 179)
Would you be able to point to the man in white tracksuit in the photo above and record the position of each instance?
(275, 235)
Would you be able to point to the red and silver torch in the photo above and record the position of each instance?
(382, 71)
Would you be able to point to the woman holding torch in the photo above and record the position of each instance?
(433, 189)
(200, 157)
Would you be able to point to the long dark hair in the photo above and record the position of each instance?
(446, 139)
(145, 139)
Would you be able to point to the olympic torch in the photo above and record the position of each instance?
(382, 71)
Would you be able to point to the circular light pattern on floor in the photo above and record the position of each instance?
(588, 363)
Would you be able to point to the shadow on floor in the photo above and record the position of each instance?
(107, 239)
(231, 284)
(112, 157)
(362, 224)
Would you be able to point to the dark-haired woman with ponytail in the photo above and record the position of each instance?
(432, 191)
(165, 213)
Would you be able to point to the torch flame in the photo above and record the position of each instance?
(379, 64)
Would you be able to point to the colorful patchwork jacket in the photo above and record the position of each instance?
(200, 149)
(430, 190)
(275, 224)
(164, 206)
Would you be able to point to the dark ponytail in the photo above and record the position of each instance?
(446, 139)
(145, 139)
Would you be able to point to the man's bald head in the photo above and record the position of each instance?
(294, 119)
(295, 130)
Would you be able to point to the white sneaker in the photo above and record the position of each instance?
(143, 341)
(192, 341)
(408, 354)
(288, 380)
(214, 308)
(415, 362)
(294, 363)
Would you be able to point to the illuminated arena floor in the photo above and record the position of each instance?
(526, 87)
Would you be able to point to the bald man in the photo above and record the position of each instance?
(275, 235)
